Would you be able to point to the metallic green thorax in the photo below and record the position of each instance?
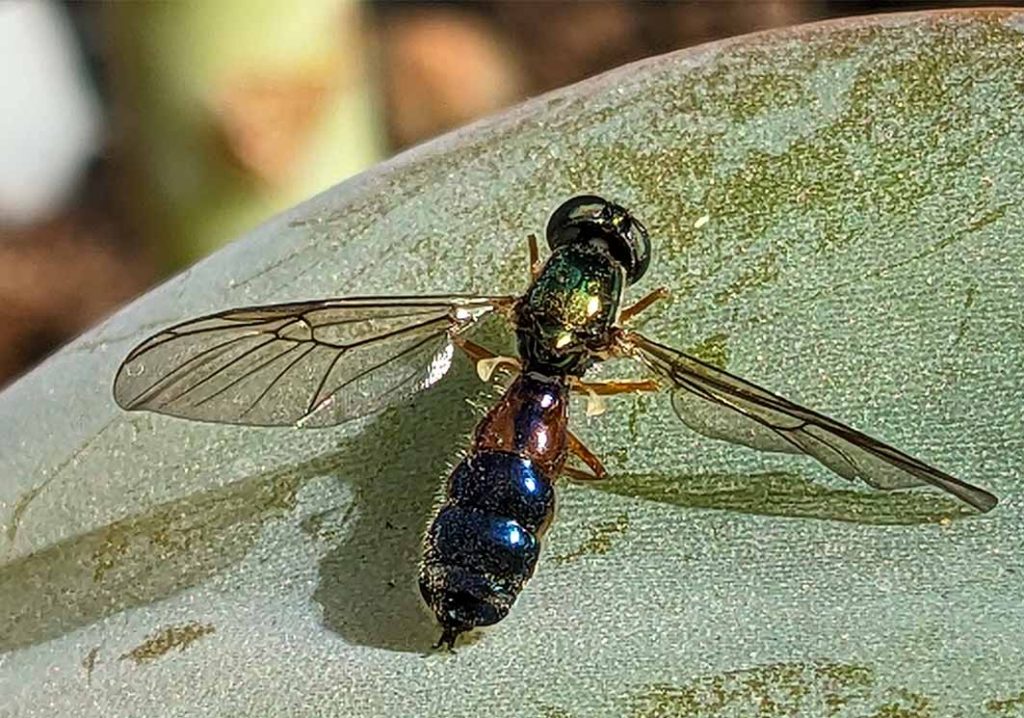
(570, 309)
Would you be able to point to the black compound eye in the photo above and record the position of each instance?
(584, 208)
(640, 244)
(588, 217)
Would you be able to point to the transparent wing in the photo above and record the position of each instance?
(723, 406)
(307, 363)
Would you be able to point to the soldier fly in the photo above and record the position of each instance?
(320, 363)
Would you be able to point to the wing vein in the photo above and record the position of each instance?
(288, 367)
(245, 375)
(219, 370)
(202, 358)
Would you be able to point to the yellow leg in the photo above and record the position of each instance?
(597, 390)
(612, 387)
(657, 295)
(580, 475)
(487, 363)
(578, 449)
(531, 240)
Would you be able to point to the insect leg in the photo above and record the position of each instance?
(655, 296)
(578, 449)
(486, 361)
(579, 474)
(611, 387)
(595, 391)
(531, 240)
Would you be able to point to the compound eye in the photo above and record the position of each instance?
(584, 208)
(588, 217)
(640, 246)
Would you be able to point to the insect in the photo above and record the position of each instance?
(320, 363)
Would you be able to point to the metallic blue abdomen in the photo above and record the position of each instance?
(503, 483)
(484, 542)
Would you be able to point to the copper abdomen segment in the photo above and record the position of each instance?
(530, 420)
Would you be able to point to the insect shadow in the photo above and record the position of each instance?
(368, 581)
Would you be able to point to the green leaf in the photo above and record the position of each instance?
(839, 211)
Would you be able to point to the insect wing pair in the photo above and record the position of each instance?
(321, 363)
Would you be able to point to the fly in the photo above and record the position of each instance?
(321, 363)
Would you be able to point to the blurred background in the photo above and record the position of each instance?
(137, 137)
